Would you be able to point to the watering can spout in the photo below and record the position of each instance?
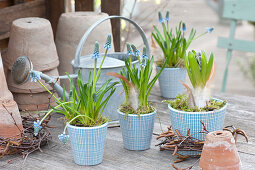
(23, 68)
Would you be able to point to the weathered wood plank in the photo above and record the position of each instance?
(30, 9)
(54, 8)
(84, 5)
(112, 7)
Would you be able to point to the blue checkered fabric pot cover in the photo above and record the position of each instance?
(169, 83)
(182, 121)
(137, 130)
(87, 143)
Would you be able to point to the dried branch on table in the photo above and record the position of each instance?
(178, 142)
(28, 143)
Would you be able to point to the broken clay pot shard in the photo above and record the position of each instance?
(10, 120)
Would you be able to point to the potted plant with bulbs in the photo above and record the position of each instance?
(188, 110)
(86, 125)
(174, 47)
(136, 114)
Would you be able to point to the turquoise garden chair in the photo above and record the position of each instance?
(236, 10)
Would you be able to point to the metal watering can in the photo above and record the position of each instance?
(23, 66)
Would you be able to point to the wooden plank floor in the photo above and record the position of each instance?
(240, 112)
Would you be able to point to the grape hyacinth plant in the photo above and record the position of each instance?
(174, 45)
(85, 105)
(137, 82)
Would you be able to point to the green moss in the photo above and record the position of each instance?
(179, 64)
(181, 103)
(99, 121)
(127, 109)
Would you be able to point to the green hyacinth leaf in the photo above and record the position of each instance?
(209, 66)
(203, 67)
(188, 70)
(195, 70)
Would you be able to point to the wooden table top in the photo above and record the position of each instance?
(240, 113)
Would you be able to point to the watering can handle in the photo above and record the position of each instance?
(85, 36)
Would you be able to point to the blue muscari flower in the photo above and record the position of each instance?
(35, 75)
(167, 16)
(135, 50)
(129, 50)
(144, 53)
(108, 42)
(37, 127)
(94, 97)
(198, 58)
(184, 27)
(95, 54)
(63, 137)
(160, 18)
(143, 63)
(209, 30)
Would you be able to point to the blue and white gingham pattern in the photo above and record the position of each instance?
(137, 130)
(169, 83)
(87, 143)
(182, 121)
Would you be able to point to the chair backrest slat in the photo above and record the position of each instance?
(239, 9)
(241, 45)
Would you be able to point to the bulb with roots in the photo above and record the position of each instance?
(201, 96)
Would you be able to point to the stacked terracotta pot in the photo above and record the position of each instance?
(32, 37)
(10, 120)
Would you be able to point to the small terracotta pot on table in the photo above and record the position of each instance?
(219, 152)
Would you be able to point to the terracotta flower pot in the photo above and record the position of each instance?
(219, 152)
(9, 111)
(4, 92)
(71, 27)
(34, 101)
(32, 37)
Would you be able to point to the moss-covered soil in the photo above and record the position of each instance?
(181, 103)
(127, 109)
